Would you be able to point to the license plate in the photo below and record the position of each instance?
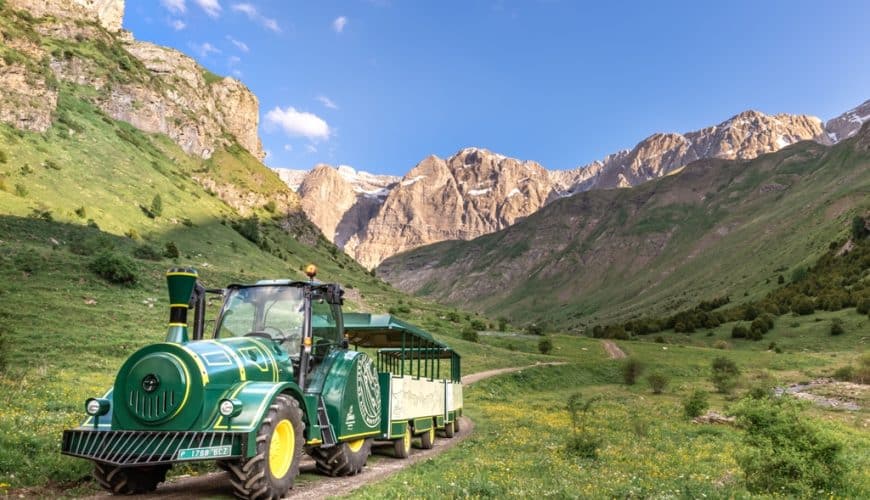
(204, 453)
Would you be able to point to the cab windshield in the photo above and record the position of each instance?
(273, 312)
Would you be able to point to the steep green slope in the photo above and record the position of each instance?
(718, 227)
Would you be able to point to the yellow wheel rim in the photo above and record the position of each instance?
(281, 449)
(355, 446)
(407, 440)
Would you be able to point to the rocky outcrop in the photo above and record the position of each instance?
(154, 88)
(26, 100)
(849, 123)
(744, 136)
(470, 194)
(108, 13)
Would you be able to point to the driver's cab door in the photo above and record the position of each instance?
(327, 329)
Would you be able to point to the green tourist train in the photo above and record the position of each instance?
(285, 372)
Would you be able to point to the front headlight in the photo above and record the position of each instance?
(230, 408)
(97, 407)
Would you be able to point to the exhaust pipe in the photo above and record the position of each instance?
(181, 282)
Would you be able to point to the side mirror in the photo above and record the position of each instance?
(344, 344)
(335, 295)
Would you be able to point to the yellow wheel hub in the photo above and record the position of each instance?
(281, 449)
(355, 446)
(407, 439)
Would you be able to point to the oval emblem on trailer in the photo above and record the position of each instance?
(150, 383)
(368, 392)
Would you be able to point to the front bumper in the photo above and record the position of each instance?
(133, 448)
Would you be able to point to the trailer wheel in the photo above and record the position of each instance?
(456, 423)
(270, 473)
(427, 439)
(449, 430)
(402, 446)
(344, 459)
(129, 480)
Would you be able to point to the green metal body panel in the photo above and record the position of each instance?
(422, 424)
(351, 393)
(397, 429)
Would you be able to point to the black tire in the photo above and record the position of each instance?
(343, 459)
(402, 446)
(456, 423)
(449, 431)
(427, 439)
(253, 478)
(129, 480)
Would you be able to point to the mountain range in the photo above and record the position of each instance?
(476, 192)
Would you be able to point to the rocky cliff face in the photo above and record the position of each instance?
(108, 13)
(156, 89)
(472, 193)
(744, 136)
(849, 123)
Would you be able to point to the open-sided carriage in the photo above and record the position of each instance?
(285, 372)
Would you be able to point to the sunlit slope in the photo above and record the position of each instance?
(718, 227)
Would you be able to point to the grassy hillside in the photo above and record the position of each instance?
(718, 227)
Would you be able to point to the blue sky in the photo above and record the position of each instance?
(381, 84)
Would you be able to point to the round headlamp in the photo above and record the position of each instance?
(96, 407)
(230, 408)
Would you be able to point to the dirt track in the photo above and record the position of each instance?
(382, 464)
(612, 349)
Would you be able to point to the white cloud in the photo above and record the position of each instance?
(174, 6)
(239, 45)
(233, 60)
(205, 49)
(299, 123)
(327, 102)
(288, 147)
(211, 7)
(254, 15)
(310, 148)
(339, 24)
(237, 73)
(177, 24)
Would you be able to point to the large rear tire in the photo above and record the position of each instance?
(270, 473)
(456, 423)
(402, 446)
(344, 459)
(129, 480)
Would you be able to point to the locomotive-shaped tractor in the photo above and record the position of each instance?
(277, 378)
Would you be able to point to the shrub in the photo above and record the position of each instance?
(739, 332)
(133, 234)
(631, 370)
(545, 345)
(582, 443)
(478, 324)
(785, 453)
(721, 344)
(696, 404)
(859, 228)
(249, 229)
(724, 374)
(453, 317)
(28, 262)
(20, 190)
(534, 329)
(659, 339)
(863, 306)
(115, 268)
(502, 324)
(270, 206)
(837, 327)
(147, 252)
(3, 157)
(470, 334)
(170, 250)
(845, 373)
(803, 306)
(862, 374)
(81, 212)
(755, 334)
(657, 382)
(90, 245)
(157, 206)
